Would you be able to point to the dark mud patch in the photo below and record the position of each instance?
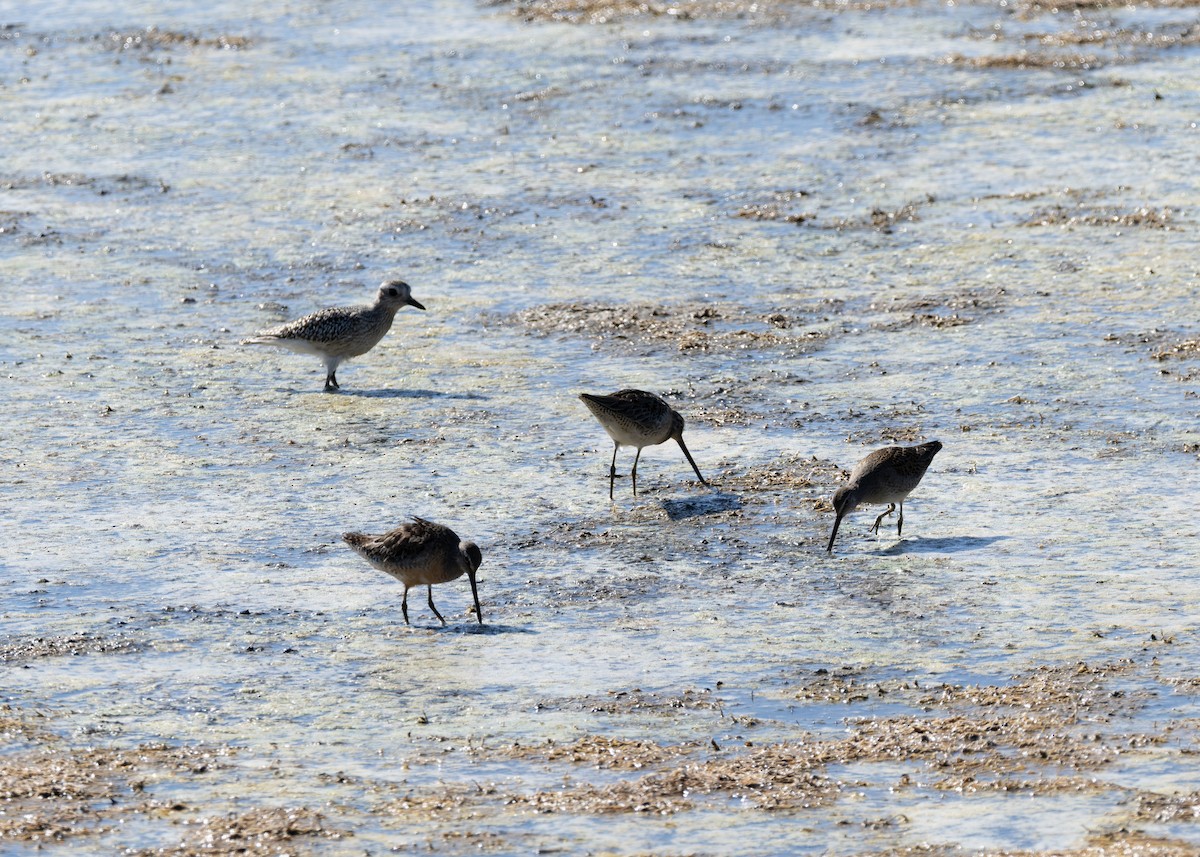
(32, 230)
(766, 399)
(926, 319)
(784, 206)
(462, 216)
(99, 185)
(788, 472)
(613, 11)
(694, 507)
(637, 701)
(1159, 38)
(599, 12)
(791, 206)
(884, 220)
(691, 328)
(892, 431)
(1086, 215)
(23, 650)
(939, 311)
(1167, 348)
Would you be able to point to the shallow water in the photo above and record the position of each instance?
(855, 231)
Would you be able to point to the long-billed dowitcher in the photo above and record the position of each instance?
(637, 418)
(420, 553)
(887, 475)
(336, 334)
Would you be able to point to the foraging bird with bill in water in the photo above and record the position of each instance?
(887, 475)
(336, 334)
(420, 553)
(637, 418)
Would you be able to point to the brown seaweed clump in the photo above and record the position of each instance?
(611, 11)
(1031, 8)
(1122, 843)
(265, 832)
(1024, 59)
(152, 38)
(52, 793)
(599, 751)
(1188, 349)
(778, 776)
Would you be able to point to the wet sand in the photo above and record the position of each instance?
(815, 229)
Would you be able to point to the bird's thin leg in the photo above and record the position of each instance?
(612, 470)
(434, 609)
(331, 383)
(633, 474)
(891, 508)
(900, 520)
(404, 606)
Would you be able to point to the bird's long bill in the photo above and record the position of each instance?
(414, 302)
(691, 461)
(836, 523)
(475, 592)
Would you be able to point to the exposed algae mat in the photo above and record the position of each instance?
(815, 228)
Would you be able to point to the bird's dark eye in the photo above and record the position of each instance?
(393, 292)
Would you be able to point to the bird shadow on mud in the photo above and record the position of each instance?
(947, 544)
(693, 507)
(491, 629)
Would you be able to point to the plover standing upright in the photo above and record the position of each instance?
(637, 418)
(336, 334)
(887, 475)
(420, 553)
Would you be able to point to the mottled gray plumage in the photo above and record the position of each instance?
(637, 418)
(887, 475)
(420, 553)
(339, 333)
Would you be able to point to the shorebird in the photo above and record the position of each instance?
(887, 475)
(420, 553)
(339, 333)
(637, 418)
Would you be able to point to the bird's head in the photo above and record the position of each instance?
(676, 426)
(397, 293)
(844, 501)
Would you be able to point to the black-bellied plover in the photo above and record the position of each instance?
(887, 475)
(420, 553)
(637, 418)
(336, 334)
